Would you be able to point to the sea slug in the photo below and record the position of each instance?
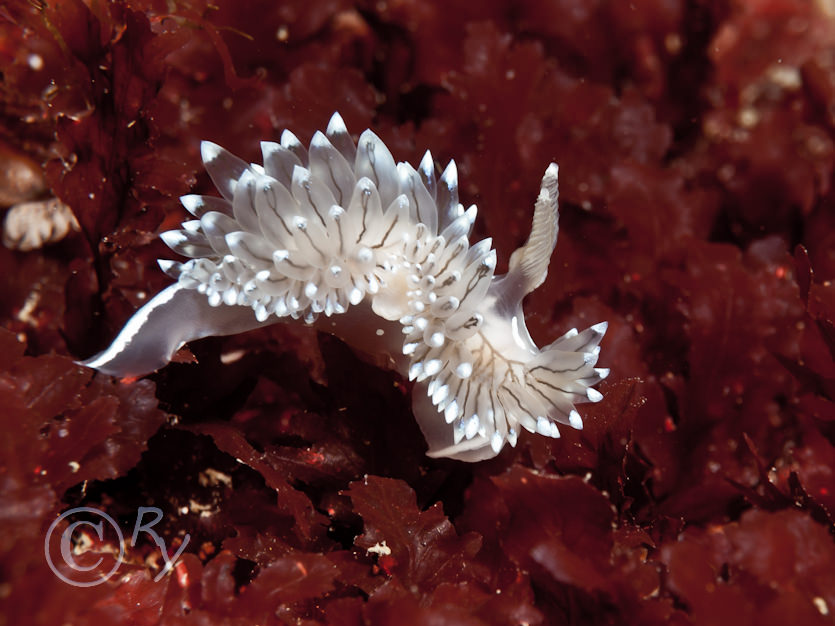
(378, 253)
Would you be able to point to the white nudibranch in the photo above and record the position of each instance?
(344, 238)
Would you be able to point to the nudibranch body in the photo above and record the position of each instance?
(378, 253)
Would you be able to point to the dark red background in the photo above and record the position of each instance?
(695, 143)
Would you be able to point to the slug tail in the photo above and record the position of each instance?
(156, 331)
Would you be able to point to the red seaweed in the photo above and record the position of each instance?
(695, 143)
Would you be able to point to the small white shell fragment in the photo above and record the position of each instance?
(380, 549)
(33, 225)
